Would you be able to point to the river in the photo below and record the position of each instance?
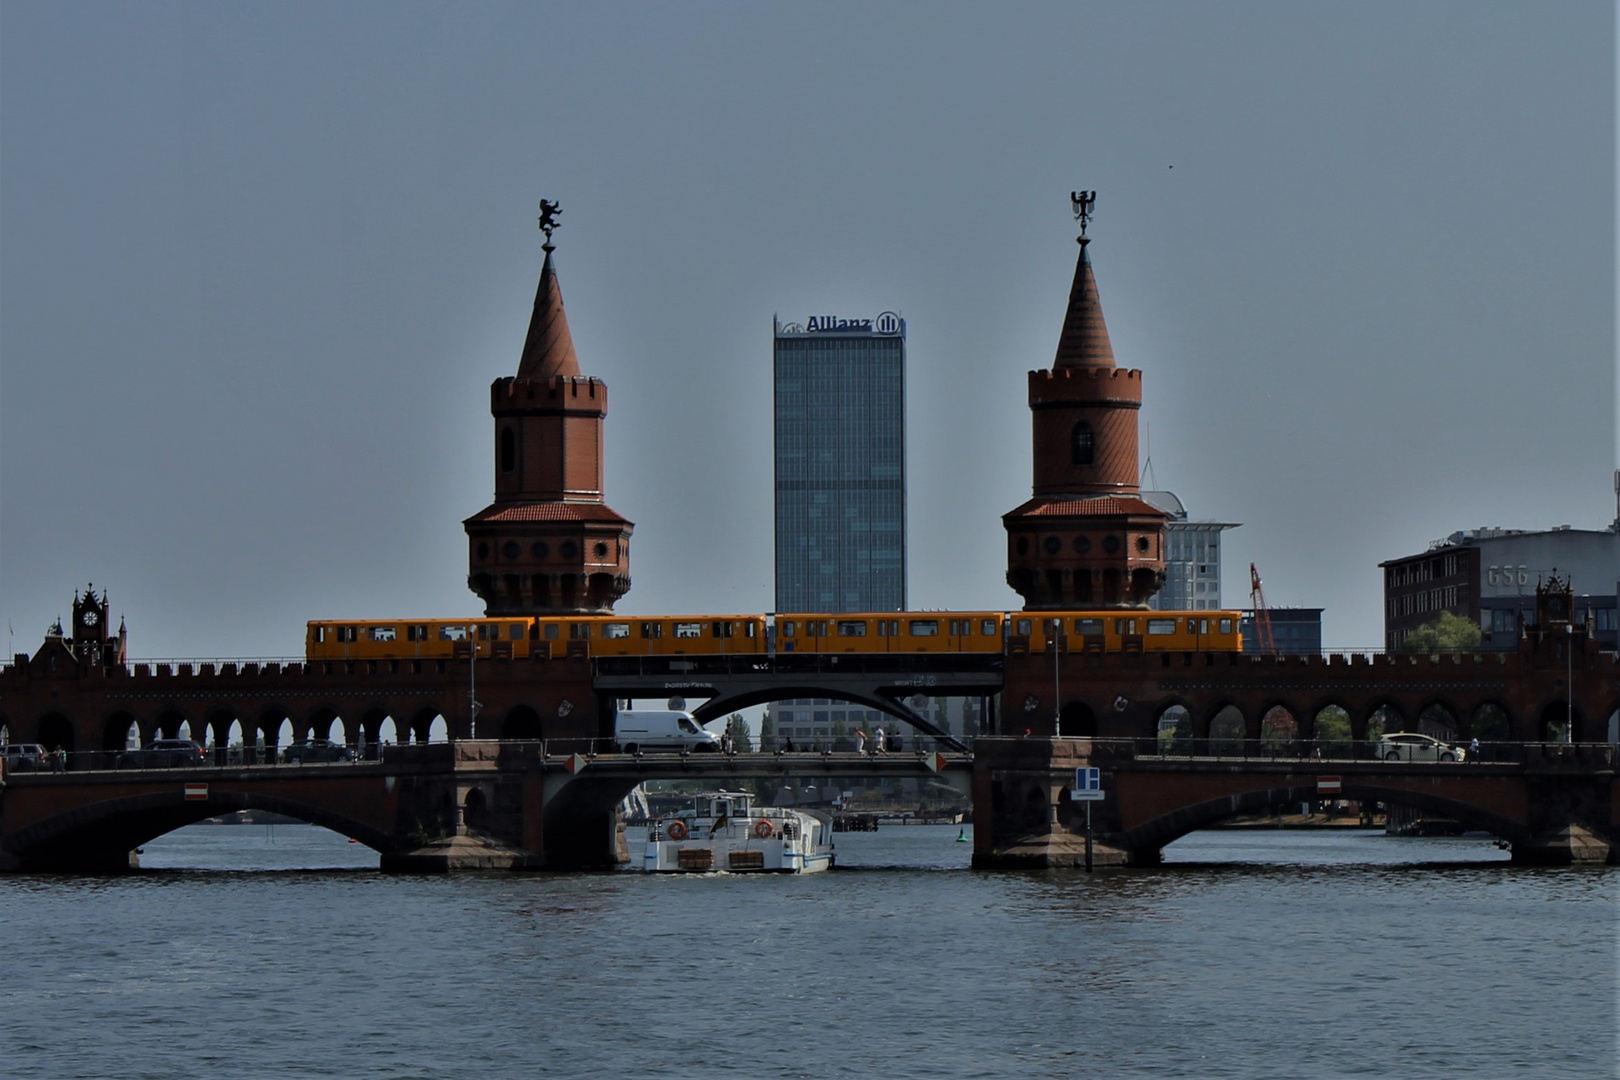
(259, 952)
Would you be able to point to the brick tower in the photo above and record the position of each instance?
(1087, 539)
(548, 543)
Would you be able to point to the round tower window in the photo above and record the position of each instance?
(1052, 545)
(568, 549)
(483, 550)
(539, 549)
(1111, 544)
(1023, 545)
(601, 549)
(1082, 544)
(1141, 543)
(511, 549)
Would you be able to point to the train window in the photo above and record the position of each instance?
(956, 627)
(1023, 627)
(552, 631)
(852, 628)
(348, 633)
(987, 627)
(382, 633)
(750, 628)
(1161, 626)
(789, 628)
(452, 632)
(816, 628)
(924, 627)
(883, 627)
(515, 631)
(319, 632)
(483, 631)
(1226, 626)
(1203, 626)
(652, 630)
(616, 630)
(416, 632)
(688, 629)
(723, 628)
(579, 630)
(1088, 626)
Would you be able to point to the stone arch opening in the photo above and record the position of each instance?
(120, 732)
(220, 723)
(1386, 719)
(1490, 723)
(1175, 730)
(317, 724)
(1035, 807)
(1226, 732)
(1554, 725)
(438, 730)
(56, 732)
(1279, 730)
(1078, 720)
(235, 743)
(387, 733)
(267, 734)
(474, 809)
(168, 724)
(522, 722)
(1614, 726)
(1330, 728)
(1438, 721)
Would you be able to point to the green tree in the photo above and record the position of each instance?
(767, 732)
(737, 728)
(1448, 633)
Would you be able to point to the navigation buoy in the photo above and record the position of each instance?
(961, 837)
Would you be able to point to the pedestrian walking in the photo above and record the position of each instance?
(878, 745)
(1473, 749)
(860, 741)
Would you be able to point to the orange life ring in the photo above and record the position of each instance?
(675, 830)
(762, 829)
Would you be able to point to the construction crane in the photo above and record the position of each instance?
(1266, 643)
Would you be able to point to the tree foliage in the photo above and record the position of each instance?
(1448, 633)
(737, 728)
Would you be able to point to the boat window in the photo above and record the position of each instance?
(382, 633)
(1161, 626)
(452, 632)
(852, 628)
(616, 630)
(1088, 626)
(688, 629)
(924, 627)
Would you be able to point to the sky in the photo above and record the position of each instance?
(260, 263)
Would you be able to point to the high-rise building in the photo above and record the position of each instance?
(841, 464)
(1192, 558)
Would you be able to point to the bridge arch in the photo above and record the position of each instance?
(113, 827)
(166, 725)
(1279, 724)
(522, 722)
(115, 730)
(55, 731)
(1153, 835)
(1384, 715)
(1439, 718)
(724, 704)
(1228, 728)
(1078, 719)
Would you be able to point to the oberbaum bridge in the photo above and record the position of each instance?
(540, 785)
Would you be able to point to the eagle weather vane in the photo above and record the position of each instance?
(1083, 203)
(549, 210)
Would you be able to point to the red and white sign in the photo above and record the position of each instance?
(1327, 785)
(935, 762)
(576, 763)
(196, 792)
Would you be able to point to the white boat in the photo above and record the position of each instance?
(724, 831)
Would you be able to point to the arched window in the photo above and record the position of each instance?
(1082, 445)
(508, 450)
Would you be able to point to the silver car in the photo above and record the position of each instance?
(1410, 746)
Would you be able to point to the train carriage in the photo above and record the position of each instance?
(890, 632)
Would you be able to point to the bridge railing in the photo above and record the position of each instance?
(1327, 750)
(664, 667)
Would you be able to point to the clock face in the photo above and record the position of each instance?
(90, 618)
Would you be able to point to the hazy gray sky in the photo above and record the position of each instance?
(260, 263)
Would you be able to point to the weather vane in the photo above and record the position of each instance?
(1083, 203)
(548, 217)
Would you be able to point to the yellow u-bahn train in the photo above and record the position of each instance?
(555, 637)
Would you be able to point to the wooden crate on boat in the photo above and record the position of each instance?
(695, 858)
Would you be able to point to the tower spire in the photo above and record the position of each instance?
(549, 348)
(1084, 341)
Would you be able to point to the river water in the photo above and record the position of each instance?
(280, 952)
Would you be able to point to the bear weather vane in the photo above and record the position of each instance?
(549, 210)
(1083, 203)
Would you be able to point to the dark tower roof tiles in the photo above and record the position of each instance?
(1084, 342)
(549, 348)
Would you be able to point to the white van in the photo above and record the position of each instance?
(649, 729)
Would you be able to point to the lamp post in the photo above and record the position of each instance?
(1055, 626)
(1569, 679)
(472, 687)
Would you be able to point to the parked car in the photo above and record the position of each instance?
(1410, 746)
(164, 754)
(316, 750)
(25, 757)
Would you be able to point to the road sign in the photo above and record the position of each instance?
(1087, 785)
(196, 792)
(1327, 785)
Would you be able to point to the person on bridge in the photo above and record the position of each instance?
(878, 745)
(860, 741)
(1473, 749)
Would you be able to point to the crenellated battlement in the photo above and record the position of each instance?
(571, 392)
(1085, 385)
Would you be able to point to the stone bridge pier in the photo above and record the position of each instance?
(1554, 804)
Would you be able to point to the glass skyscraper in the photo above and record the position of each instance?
(841, 464)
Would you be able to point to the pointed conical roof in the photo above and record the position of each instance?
(549, 348)
(1085, 336)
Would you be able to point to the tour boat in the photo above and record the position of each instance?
(724, 831)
